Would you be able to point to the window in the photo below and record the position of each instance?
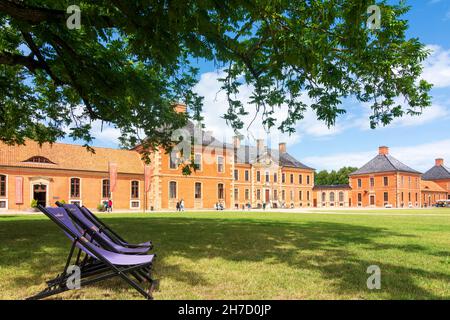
(386, 197)
(359, 183)
(307, 196)
(300, 195)
(106, 188)
(283, 195)
(292, 178)
(275, 177)
(283, 178)
(198, 190)
(372, 200)
(236, 194)
(247, 194)
(324, 197)
(417, 197)
(220, 167)
(300, 179)
(2, 185)
(372, 182)
(39, 159)
(135, 204)
(172, 190)
(359, 199)
(198, 161)
(308, 180)
(220, 191)
(341, 196)
(236, 175)
(409, 196)
(258, 176)
(134, 189)
(258, 194)
(246, 175)
(291, 195)
(74, 187)
(409, 182)
(386, 181)
(332, 197)
(275, 195)
(267, 176)
(173, 160)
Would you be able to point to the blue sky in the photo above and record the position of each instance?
(416, 141)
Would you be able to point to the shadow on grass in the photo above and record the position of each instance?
(38, 247)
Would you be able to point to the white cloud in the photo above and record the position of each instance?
(437, 67)
(215, 105)
(420, 157)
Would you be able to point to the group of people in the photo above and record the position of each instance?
(180, 205)
(107, 205)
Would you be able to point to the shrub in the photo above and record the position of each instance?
(100, 207)
(33, 203)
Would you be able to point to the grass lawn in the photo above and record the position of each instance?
(245, 255)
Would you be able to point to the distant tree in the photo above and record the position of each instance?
(334, 177)
(130, 60)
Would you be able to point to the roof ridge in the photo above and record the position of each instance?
(389, 160)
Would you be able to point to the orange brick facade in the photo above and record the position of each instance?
(259, 177)
(395, 189)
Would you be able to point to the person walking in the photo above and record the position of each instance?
(178, 206)
(110, 204)
(182, 205)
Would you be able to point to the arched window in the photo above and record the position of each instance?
(331, 196)
(341, 196)
(134, 189)
(39, 159)
(2, 185)
(324, 197)
(106, 193)
(75, 187)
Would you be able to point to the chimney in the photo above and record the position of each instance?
(260, 146)
(236, 142)
(180, 108)
(383, 150)
(282, 147)
(439, 162)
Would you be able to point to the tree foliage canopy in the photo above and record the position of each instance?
(333, 177)
(132, 59)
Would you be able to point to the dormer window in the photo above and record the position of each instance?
(39, 159)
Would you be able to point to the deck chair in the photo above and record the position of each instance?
(111, 234)
(96, 264)
(97, 234)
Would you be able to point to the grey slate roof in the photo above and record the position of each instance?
(249, 154)
(437, 173)
(384, 163)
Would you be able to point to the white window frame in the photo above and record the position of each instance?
(7, 204)
(70, 191)
(200, 169)
(71, 201)
(6, 198)
(135, 208)
(101, 189)
(201, 191)
(218, 164)
(176, 189)
(139, 189)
